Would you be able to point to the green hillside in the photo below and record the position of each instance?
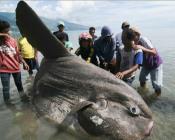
(51, 24)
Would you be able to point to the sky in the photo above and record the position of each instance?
(142, 14)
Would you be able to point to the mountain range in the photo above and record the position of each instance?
(50, 23)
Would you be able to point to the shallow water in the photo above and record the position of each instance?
(18, 121)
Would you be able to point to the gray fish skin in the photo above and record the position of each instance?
(65, 82)
(71, 93)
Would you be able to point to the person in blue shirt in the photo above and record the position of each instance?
(105, 49)
(128, 58)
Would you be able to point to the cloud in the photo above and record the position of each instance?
(71, 9)
(7, 7)
(99, 13)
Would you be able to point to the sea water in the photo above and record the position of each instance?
(20, 122)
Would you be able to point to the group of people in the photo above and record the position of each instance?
(122, 55)
(12, 54)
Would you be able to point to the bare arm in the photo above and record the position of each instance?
(122, 74)
(150, 51)
(25, 66)
(4, 34)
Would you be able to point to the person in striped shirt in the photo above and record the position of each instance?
(10, 60)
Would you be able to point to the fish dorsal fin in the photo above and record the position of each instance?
(39, 36)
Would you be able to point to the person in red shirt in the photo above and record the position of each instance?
(10, 60)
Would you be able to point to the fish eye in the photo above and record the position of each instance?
(134, 110)
(101, 104)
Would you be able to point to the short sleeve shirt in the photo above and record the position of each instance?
(129, 59)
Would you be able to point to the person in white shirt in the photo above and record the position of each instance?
(152, 63)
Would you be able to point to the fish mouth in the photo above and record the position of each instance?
(149, 129)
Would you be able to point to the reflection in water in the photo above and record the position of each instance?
(25, 119)
(148, 97)
(70, 135)
(164, 112)
(31, 129)
(163, 109)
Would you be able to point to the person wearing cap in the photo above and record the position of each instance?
(105, 49)
(121, 36)
(128, 58)
(60, 31)
(152, 63)
(85, 50)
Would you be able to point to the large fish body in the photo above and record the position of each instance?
(70, 92)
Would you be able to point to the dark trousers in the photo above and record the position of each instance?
(33, 64)
(5, 80)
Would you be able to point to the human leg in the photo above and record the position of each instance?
(5, 80)
(18, 81)
(34, 64)
(157, 79)
(29, 63)
(143, 77)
